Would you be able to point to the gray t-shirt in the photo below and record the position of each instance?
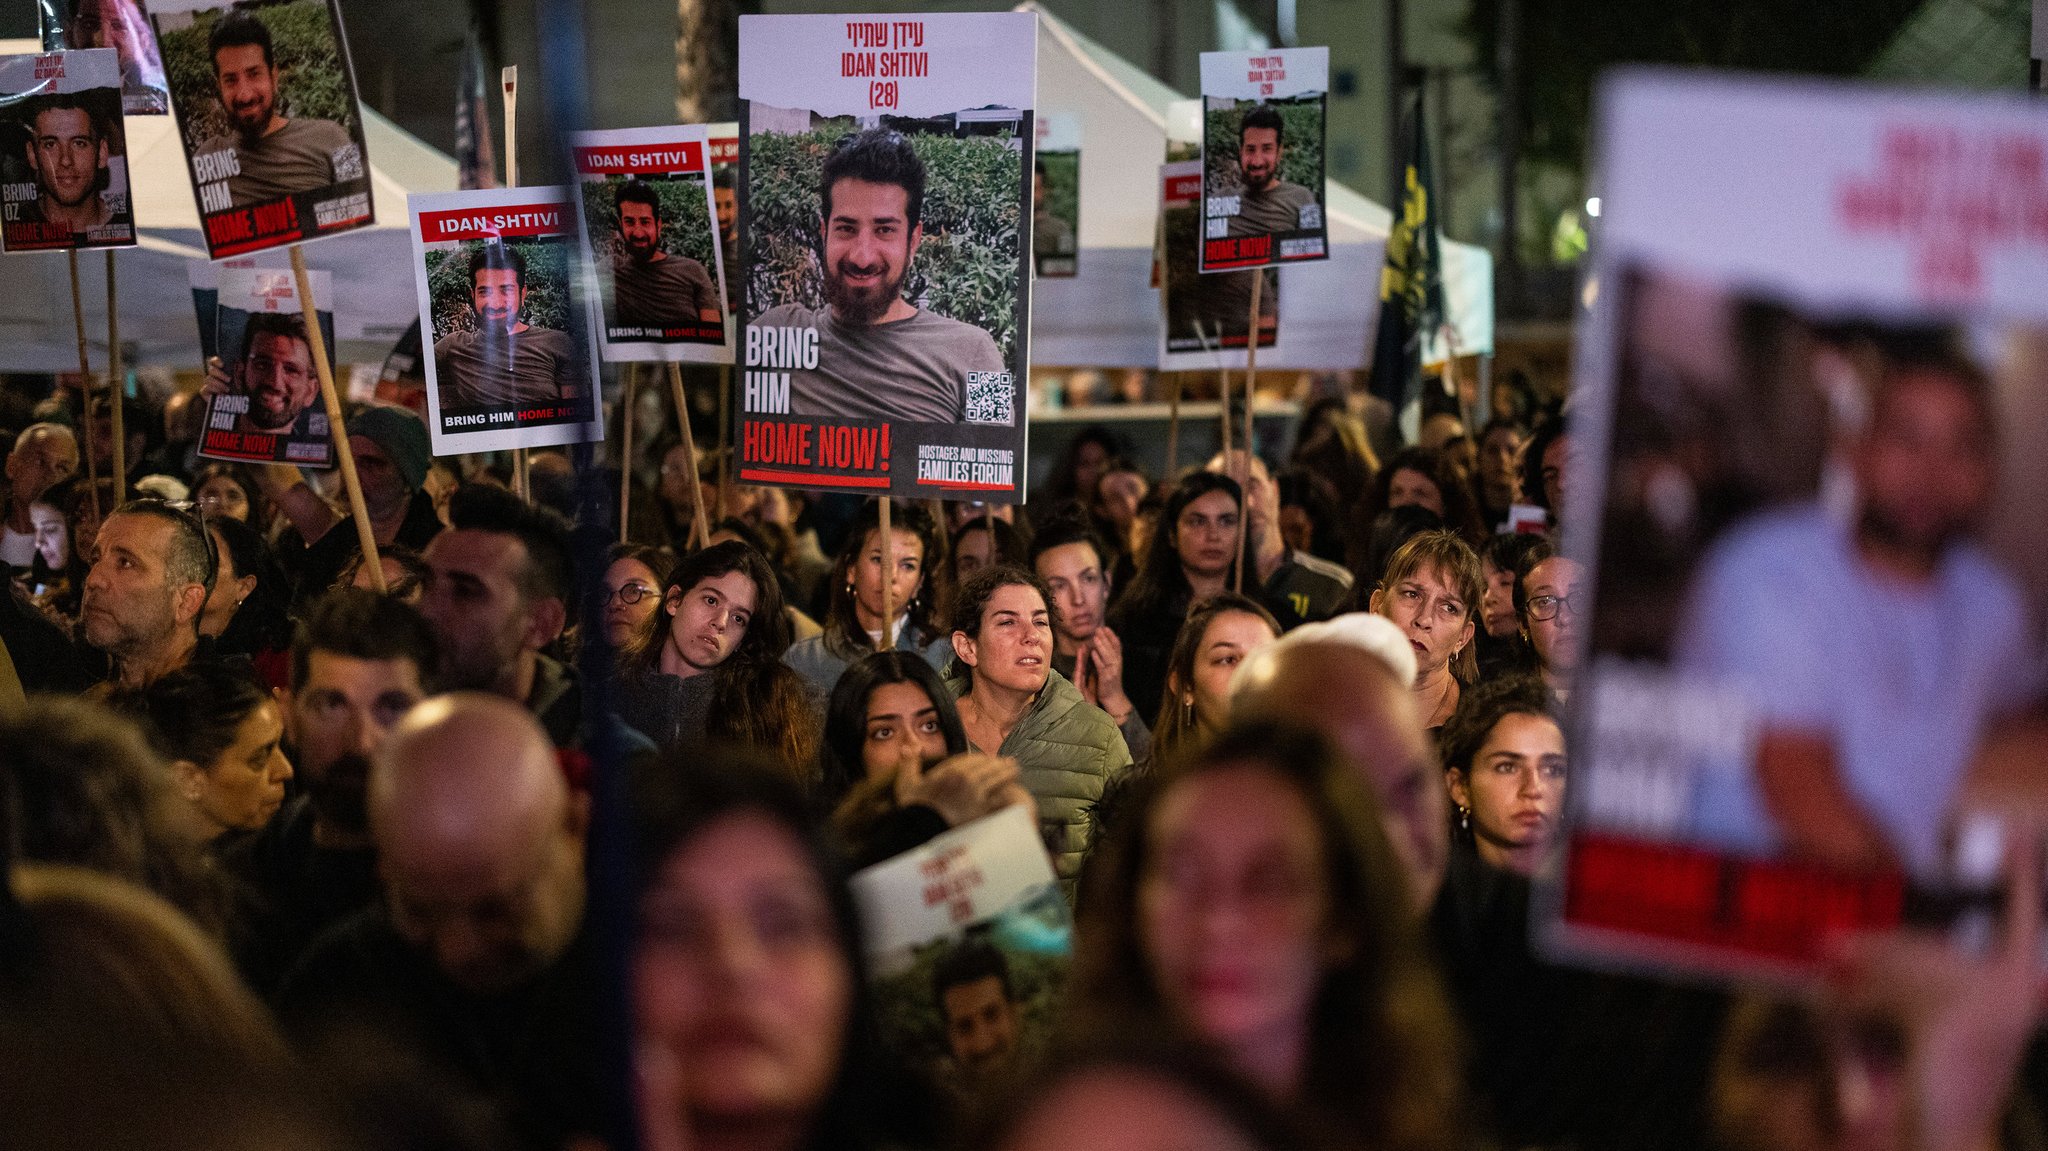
(912, 370)
(1275, 210)
(302, 156)
(668, 293)
(536, 366)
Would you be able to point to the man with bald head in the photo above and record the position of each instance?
(44, 455)
(476, 955)
(1345, 679)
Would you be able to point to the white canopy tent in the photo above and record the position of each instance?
(1109, 315)
(373, 285)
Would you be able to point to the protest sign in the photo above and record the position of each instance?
(969, 926)
(63, 153)
(118, 25)
(724, 142)
(650, 233)
(1207, 317)
(263, 403)
(1056, 197)
(1262, 151)
(885, 182)
(266, 105)
(1812, 438)
(493, 270)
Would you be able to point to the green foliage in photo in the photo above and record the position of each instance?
(547, 284)
(913, 1024)
(311, 82)
(968, 266)
(1063, 186)
(1301, 143)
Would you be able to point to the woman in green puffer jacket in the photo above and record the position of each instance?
(1014, 704)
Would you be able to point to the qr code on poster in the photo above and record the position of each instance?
(348, 164)
(991, 398)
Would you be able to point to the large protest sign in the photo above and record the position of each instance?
(650, 231)
(1262, 147)
(493, 272)
(968, 944)
(1207, 317)
(63, 153)
(266, 105)
(1808, 533)
(1056, 197)
(885, 239)
(263, 402)
(118, 25)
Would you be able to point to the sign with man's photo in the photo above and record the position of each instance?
(266, 104)
(493, 273)
(118, 25)
(263, 392)
(650, 234)
(886, 170)
(1207, 325)
(63, 153)
(1056, 197)
(1262, 152)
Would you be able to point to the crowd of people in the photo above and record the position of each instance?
(297, 860)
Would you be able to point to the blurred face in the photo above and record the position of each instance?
(1118, 1110)
(902, 727)
(67, 155)
(1550, 590)
(1497, 603)
(1925, 468)
(1258, 157)
(494, 919)
(130, 603)
(906, 556)
(105, 24)
(1079, 587)
(53, 535)
(728, 204)
(1014, 647)
(222, 498)
(278, 379)
(1515, 790)
(1090, 461)
(1119, 493)
(973, 550)
(1297, 529)
(981, 1025)
(1228, 639)
(1500, 461)
(226, 595)
(675, 480)
(1410, 488)
(1556, 458)
(471, 599)
(39, 461)
(632, 595)
(339, 717)
(384, 490)
(1205, 535)
(869, 244)
(496, 295)
(740, 977)
(1232, 907)
(242, 789)
(708, 621)
(639, 230)
(1433, 615)
(248, 88)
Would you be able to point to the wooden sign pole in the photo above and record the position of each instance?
(724, 433)
(92, 456)
(700, 532)
(1251, 375)
(1174, 387)
(508, 78)
(888, 584)
(629, 376)
(114, 383)
(337, 427)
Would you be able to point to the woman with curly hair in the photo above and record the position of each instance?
(710, 670)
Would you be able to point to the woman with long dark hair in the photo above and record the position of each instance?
(248, 611)
(1248, 899)
(754, 1021)
(710, 670)
(222, 733)
(853, 620)
(1219, 633)
(1192, 557)
(895, 769)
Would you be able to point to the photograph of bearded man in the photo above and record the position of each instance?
(276, 155)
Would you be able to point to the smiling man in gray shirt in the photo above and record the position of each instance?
(276, 155)
(879, 356)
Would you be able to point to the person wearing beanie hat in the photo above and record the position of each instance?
(392, 456)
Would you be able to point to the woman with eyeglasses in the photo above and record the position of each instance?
(1547, 599)
(632, 592)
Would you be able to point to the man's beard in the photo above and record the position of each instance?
(856, 307)
(252, 123)
(1259, 182)
(641, 253)
(339, 794)
(1876, 524)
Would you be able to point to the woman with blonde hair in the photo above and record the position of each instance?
(1431, 590)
